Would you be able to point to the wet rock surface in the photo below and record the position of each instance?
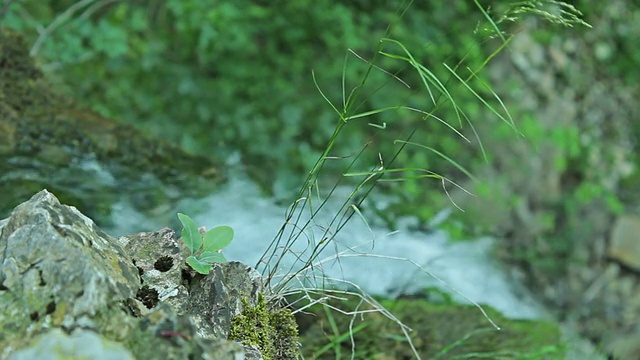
(66, 286)
(47, 140)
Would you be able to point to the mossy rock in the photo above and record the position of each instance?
(439, 331)
(48, 140)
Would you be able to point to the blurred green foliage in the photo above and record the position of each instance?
(220, 76)
(618, 53)
(216, 76)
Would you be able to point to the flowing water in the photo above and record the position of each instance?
(381, 261)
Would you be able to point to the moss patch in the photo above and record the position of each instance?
(274, 332)
(440, 331)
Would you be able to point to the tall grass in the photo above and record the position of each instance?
(288, 272)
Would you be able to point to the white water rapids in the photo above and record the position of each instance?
(394, 256)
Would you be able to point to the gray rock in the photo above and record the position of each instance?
(165, 333)
(59, 270)
(81, 344)
(67, 286)
(216, 298)
(160, 261)
(624, 245)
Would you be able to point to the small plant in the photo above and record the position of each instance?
(204, 249)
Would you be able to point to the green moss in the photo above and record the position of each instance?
(439, 331)
(274, 332)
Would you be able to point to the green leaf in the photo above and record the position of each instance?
(190, 233)
(217, 238)
(211, 257)
(198, 265)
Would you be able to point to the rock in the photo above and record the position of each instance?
(81, 344)
(162, 332)
(217, 298)
(624, 244)
(212, 300)
(159, 261)
(58, 270)
(625, 346)
(67, 286)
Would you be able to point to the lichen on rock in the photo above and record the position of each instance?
(63, 279)
(58, 270)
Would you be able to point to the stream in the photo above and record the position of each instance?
(380, 261)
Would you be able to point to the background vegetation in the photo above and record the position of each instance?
(221, 77)
(218, 77)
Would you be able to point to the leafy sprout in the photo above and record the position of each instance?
(204, 249)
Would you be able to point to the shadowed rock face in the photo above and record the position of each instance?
(66, 286)
(49, 141)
